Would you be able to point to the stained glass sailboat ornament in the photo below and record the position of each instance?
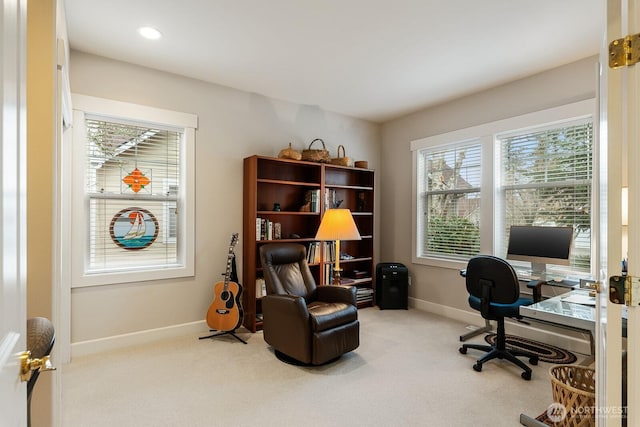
(138, 227)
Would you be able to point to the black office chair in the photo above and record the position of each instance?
(494, 291)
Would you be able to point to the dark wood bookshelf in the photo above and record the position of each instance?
(268, 181)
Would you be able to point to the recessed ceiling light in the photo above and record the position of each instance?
(149, 33)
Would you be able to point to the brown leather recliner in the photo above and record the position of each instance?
(308, 323)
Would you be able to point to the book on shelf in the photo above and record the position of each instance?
(328, 274)
(267, 229)
(329, 198)
(313, 253)
(329, 251)
(261, 287)
(364, 294)
(312, 197)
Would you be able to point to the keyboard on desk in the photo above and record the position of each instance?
(527, 275)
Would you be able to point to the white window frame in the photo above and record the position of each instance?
(185, 267)
(166, 212)
(421, 178)
(489, 214)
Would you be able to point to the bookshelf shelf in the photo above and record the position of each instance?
(303, 191)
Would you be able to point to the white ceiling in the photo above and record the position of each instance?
(372, 59)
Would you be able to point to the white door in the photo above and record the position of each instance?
(13, 400)
(620, 94)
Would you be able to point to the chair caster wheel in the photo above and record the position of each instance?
(526, 376)
(463, 350)
(477, 367)
(534, 360)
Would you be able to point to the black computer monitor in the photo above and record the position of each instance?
(540, 245)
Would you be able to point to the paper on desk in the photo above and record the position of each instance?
(584, 299)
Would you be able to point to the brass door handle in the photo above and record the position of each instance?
(28, 365)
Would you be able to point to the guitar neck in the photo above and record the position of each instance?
(227, 274)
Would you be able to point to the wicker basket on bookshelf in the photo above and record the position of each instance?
(316, 154)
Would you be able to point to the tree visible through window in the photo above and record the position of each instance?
(451, 200)
(472, 184)
(546, 180)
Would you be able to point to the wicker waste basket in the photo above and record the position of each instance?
(574, 387)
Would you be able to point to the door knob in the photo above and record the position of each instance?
(28, 365)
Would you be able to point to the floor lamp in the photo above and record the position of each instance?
(336, 225)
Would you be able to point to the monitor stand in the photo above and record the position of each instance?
(539, 269)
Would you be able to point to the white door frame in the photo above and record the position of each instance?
(620, 90)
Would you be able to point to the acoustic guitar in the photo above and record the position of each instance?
(225, 313)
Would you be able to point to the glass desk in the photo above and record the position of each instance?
(573, 310)
(560, 311)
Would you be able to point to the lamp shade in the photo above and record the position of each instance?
(338, 224)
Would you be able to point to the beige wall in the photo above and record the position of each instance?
(41, 131)
(571, 83)
(232, 125)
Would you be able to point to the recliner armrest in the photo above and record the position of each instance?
(337, 293)
(285, 306)
(286, 325)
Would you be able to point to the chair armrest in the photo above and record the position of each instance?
(285, 306)
(286, 325)
(536, 286)
(337, 293)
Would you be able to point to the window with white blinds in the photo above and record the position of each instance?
(133, 213)
(546, 178)
(133, 203)
(472, 184)
(450, 200)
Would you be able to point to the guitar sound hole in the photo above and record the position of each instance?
(224, 295)
(229, 303)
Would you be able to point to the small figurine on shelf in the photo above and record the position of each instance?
(276, 207)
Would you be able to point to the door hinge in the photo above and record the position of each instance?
(624, 52)
(624, 290)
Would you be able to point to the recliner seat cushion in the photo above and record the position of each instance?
(326, 315)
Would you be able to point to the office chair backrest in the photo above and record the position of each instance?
(286, 270)
(486, 273)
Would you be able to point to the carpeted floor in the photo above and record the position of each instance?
(406, 372)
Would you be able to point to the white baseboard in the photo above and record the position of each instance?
(538, 332)
(569, 340)
(83, 348)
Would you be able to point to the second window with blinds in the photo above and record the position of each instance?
(133, 193)
(471, 185)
